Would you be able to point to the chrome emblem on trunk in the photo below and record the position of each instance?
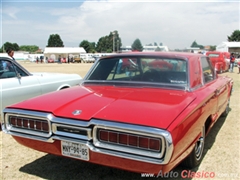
(76, 112)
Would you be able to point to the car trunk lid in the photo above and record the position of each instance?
(144, 106)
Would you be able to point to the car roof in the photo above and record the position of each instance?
(173, 55)
(215, 52)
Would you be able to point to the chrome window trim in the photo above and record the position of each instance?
(185, 86)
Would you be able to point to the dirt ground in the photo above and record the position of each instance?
(221, 155)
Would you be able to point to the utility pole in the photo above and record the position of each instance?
(113, 33)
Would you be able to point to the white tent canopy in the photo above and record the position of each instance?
(64, 52)
(229, 47)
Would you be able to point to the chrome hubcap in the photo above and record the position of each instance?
(199, 146)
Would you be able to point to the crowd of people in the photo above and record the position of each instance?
(41, 59)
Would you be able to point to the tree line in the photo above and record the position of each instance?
(106, 44)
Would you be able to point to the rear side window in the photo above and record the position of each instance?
(208, 72)
(6, 70)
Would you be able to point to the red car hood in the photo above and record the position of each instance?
(144, 106)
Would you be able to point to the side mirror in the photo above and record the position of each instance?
(19, 76)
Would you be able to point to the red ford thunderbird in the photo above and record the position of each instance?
(147, 120)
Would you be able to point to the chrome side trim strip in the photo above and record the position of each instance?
(30, 136)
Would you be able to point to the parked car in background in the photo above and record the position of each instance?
(220, 60)
(148, 120)
(87, 58)
(50, 60)
(96, 58)
(127, 65)
(64, 60)
(77, 59)
(162, 64)
(31, 59)
(17, 84)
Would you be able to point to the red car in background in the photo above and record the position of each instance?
(63, 60)
(219, 60)
(50, 60)
(128, 64)
(161, 64)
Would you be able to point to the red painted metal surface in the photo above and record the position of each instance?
(219, 60)
(144, 106)
(182, 113)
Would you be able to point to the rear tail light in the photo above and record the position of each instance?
(132, 140)
(123, 139)
(113, 137)
(143, 142)
(127, 139)
(29, 123)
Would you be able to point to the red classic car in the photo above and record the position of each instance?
(162, 64)
(147, 121)
(50, 60)
(220, 60)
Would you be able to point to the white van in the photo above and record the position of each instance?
(87, 58)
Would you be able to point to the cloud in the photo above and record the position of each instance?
(175, 24)
(11, 12)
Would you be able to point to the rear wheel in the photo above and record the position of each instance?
(221, 71)
(195, 157)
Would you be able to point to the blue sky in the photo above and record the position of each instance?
(176, 24)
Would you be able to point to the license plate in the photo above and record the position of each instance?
(75, 150)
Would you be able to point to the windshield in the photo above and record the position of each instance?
(213, 55)
(140, 69)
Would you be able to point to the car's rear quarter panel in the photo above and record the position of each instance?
(186, 128)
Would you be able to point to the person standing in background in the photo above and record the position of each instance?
(10, 53)
(232, 60)
(68, 59)
(37, 59)
(59, 59)
(41, 59)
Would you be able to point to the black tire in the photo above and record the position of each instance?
(196, 156)
(227, 109)
(221, 71)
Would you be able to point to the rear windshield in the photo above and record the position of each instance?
(140, 69)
